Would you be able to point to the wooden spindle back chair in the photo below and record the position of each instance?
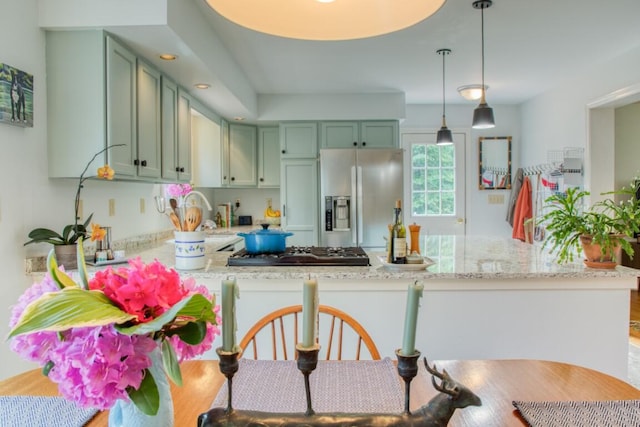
(336, 328)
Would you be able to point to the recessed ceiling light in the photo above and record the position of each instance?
(168, 56)
(311, 20)
(238, 119)
(202, 85)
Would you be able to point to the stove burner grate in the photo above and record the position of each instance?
(303, 256)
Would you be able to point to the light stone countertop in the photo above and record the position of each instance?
(455, 257)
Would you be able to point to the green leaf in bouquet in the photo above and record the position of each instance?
(146, 397)
(170, 363)
(196, 307)
(69, 308)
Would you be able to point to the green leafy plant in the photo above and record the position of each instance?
(72, 232)
(607, 222)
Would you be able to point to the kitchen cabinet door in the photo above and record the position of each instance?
(379, 134)
(339, 134)
(121, 102)
(148, 160)
(298, 140)
(268, 157)
(299, 198)
(183, 163)
(243, 154)
(169, 129)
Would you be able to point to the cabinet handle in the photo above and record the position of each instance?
(233, 178)
(136, 162)
(261, 179)
(364, 143)
(284, 210)
(143, 163)
(181, 169)
(284, 151)
(355, 143)
(177, 169)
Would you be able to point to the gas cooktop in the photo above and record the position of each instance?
(303, 256)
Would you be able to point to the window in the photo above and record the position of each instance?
(433, 180)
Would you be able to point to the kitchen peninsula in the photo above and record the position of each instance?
(484, 298)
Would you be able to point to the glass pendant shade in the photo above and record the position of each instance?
(483, 117)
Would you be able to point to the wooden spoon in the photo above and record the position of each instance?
(193, 217)
(175, 220)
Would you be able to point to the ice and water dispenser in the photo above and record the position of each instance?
(337, 213)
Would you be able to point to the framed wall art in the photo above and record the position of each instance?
(16, 96)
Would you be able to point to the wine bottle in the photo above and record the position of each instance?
(399, 237)
(390, 244)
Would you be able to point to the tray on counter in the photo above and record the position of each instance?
(108, 262)
(405, 267)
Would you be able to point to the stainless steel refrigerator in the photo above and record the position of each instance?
(358, 190)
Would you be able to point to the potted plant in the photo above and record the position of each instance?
(65, 243)
(599, 231)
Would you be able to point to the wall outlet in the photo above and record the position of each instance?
(112, 207)
(496, 199)
(142, 205)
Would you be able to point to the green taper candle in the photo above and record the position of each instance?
(414, 293)
(229, 325)
(309, 312)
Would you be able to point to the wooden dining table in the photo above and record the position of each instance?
(497, 382)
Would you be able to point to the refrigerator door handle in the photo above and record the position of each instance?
(359, 209)
(354, 209)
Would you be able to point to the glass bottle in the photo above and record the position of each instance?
(399, 237)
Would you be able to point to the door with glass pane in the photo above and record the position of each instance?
(434, 183)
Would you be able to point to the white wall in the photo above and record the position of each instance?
(627, 152)
(28, 198)
(482, 218)
(558, 118)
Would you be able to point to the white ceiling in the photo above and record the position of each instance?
(530, 46)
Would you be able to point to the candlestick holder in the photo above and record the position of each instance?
(228, 367)
(407, 369)
(307, 362)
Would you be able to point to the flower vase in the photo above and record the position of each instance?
(127, 414)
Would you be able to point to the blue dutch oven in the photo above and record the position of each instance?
(265, 241)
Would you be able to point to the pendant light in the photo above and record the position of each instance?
(483, 114)
(444, 134)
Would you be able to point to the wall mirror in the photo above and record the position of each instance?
(494, 162)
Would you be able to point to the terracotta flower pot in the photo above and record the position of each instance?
(595, 258)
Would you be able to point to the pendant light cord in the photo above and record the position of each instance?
(483, 101)
(443, 76)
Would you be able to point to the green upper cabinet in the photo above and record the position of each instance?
(91, 103)
(148, 159)
(268, 157)
(176, 132)
(100, 93)
(183, 163)
(243, 154)
(298, 140)
(121, 102)
(369, 134)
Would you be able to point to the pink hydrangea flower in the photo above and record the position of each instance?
(186, 351)
(145, 290)
(178, 190)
